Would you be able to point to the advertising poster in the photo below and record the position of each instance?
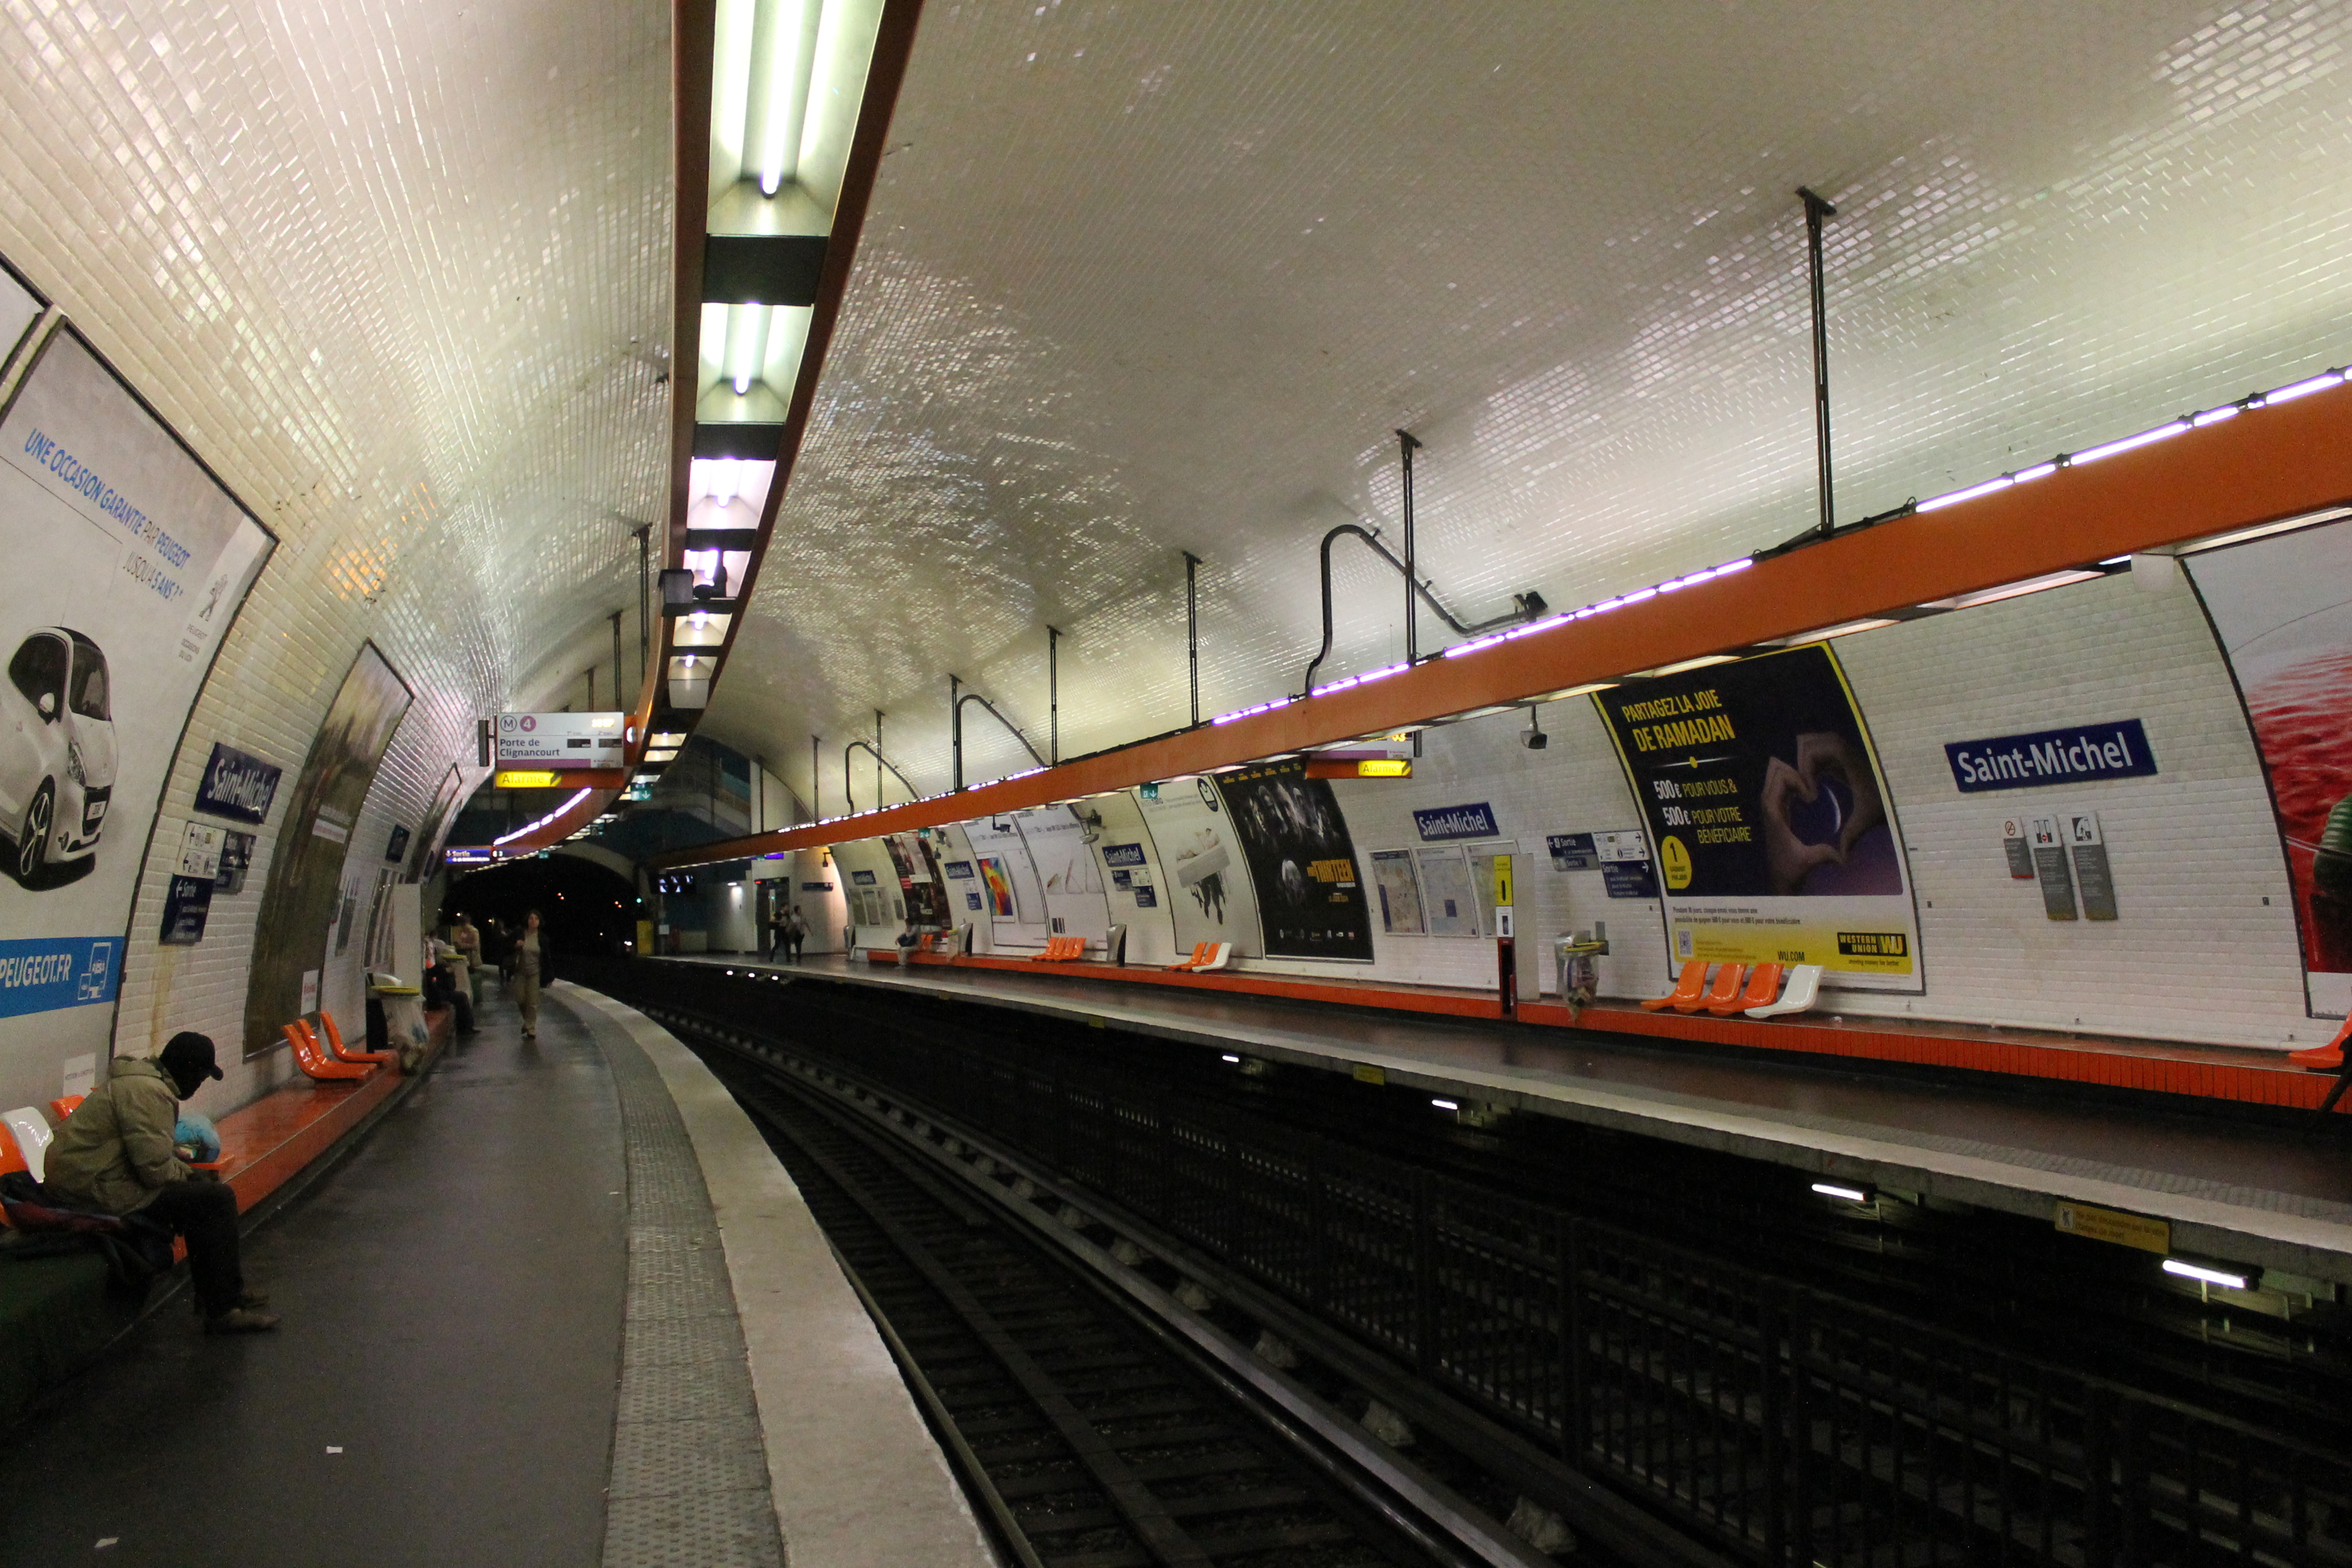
(1399, 893)
(128, 563)
(1075, 899)
(1209, 898)
(1301, 860)
(304, 894)
(1775, 841)
(1445, 879)
(998, 879)
(918, 880)
(1016, 904)
(2282, 607)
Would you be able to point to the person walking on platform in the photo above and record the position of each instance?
(795, 932)
(113, 1155)
(467, 941)
(531, 971)
(780, 915)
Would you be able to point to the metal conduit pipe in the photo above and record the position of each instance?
(1521, 612)
(1009, 724)
(880, 762)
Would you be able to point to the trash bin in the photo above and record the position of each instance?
(402, 1006)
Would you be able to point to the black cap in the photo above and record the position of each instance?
(188, 1057)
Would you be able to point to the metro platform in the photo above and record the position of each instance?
(2252, 1186)
(561, 1304)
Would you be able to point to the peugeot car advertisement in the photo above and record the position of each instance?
(128, 563)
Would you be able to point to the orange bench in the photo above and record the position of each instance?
(1202, 953)
(63, 1106)
(1062, 949)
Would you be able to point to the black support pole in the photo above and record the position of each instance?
(645, 592)
(955, 729)
(620, 691)
(1406, 446)
(816, 800)
(877, 756)
(1053, 695)
(1192, 627)
(1816, 210)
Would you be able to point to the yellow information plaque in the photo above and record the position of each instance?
(1367, 1073)
(2113, 1225)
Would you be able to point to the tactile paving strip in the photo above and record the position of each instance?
(690, 1481)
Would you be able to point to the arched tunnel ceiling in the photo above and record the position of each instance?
(1144, 279)
(402, 276)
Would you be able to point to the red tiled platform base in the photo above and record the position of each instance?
(2208, 1072)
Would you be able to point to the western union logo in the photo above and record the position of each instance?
(1874, 943)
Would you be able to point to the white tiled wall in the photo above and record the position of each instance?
(397, 275)
(2205, 946)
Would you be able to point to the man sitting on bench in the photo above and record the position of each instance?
(114, 1155)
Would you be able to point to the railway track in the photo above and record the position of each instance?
(1670, 1407)
(1098, 1426)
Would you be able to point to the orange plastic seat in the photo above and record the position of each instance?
(1763, 988)
(312, 1059)
(1690, 986)
(1061, 950)
(10, 1159)
(336, 1050)
(63, 1106)
(1201, 953)
(1727, 977)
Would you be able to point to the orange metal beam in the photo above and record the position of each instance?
(2265, 464)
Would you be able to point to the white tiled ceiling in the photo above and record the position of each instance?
(1146, 277)
(401, 274)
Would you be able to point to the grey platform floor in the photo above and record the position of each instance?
(2233, 1188)
(453, 1298)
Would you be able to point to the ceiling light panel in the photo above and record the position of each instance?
(1047, 330)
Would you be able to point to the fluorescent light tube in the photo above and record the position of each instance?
(2304, 389)
(1839, 1190)
(1701, 662)
(2211, 1274)
(2130, 443)
(1445, 1105)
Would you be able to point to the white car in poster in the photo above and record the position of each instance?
(57, 750)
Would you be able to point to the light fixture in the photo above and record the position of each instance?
(1446, 1104)
(1844, 1191)
(2261, 531)
(1701, 662)
(661, 757)
(2235, 1276)
(2013, 590)
(1844, 628)
(544, 821)
(1230, 1057)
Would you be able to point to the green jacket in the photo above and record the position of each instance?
(114, 1152)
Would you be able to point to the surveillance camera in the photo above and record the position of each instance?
(1534, 739)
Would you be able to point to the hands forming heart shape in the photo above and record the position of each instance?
(1820, 757)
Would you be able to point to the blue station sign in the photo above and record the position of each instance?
(2085, 754)
(1442, 823)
